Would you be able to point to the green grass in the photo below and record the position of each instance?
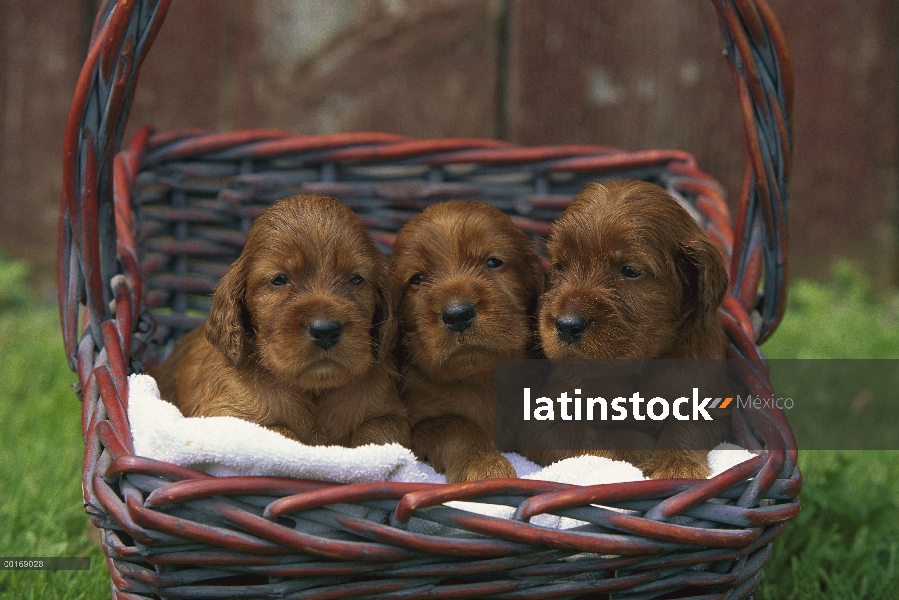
(844, 544)
(839, 319)
(40, 461)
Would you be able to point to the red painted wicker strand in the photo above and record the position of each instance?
(145, 233)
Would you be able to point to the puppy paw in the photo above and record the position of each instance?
(383, 430)
(635, 457)
(483, 466)
(676, 464)
(626, 445)
(288, 433)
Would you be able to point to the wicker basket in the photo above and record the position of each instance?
(145, 234)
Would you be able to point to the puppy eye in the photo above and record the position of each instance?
(631, 272)
(356, 279)
(280, 280)
(556, 267)
(416, 279)
(493, 263)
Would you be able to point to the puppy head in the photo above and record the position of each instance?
(468, 281)
(634, 276)
(308, 299)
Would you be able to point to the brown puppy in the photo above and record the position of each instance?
(634, 276)
(300, 335)
(469, 282)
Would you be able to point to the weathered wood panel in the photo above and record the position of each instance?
(844, 186)
(635, 75)
(187, 79)
(640, 74)
(424, 69)
(40, 56)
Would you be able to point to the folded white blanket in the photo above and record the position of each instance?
(224, 446)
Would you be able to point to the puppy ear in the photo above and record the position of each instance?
(384, 326)
(703, 277)
(226, 328)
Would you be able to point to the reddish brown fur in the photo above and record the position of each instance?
(255, 358)
(670, 311)
(448, 375)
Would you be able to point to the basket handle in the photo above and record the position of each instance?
(762, 70)
(125, 30)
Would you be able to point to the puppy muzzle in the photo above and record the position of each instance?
(570, 327)
(325, 333)
(459, 316)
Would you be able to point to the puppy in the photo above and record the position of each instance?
(300, 335)
(468, 281)
(634, 276)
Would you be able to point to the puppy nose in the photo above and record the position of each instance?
(325, 333)
(459, 315)
(571, 327)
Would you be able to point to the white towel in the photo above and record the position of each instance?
(225, 446)
(725, 456)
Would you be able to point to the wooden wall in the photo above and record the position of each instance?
(638, 74)
(41, 51)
